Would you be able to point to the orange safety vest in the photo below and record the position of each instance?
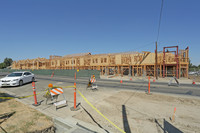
(92, 80)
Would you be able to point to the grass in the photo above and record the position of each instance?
(12, 105)
(12, 128)
(17, 123)
(26, 126)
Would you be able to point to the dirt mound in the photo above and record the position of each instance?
(25, 119)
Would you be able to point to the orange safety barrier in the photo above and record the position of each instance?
(56, 91)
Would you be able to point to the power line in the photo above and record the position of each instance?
(160, 20)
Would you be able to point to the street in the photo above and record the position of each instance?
(114, 100)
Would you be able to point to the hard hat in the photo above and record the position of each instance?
(50, 85)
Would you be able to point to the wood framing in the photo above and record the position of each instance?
(128, 63)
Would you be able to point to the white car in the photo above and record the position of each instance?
(17, 79)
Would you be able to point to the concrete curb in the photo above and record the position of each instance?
(66, 125)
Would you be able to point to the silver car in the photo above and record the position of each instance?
(17, 79)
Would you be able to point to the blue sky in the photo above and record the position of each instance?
(39, 28)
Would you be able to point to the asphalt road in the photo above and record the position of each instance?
(140, 85)
(183, 89)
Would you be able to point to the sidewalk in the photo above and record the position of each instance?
(160, 80)
(63, 118)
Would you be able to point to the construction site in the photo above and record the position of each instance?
(99, 66)
(170, 62)
(114, 107)
(112, 101)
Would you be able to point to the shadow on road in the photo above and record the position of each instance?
(5, 97)
(168, 127)
(125, 120)
(93, 119)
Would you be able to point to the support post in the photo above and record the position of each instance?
(163, 62)
(160, 70)
(177, 62)
(122, 71)
(156, 61)
(118, 70)
(145, 70)
(129, 74)
(105, 71)
(187, 58)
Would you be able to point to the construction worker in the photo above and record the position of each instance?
(89, 83)
(91, 80)
(94, 85)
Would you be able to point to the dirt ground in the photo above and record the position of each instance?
(194, 78)
(23, 118)
(141, 113)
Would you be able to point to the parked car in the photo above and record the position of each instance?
(17, 79)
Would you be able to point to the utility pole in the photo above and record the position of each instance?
(156, 61)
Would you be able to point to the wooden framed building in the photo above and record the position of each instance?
(169, 63)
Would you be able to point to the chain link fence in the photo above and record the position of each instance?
(69, 73)
(141, 72)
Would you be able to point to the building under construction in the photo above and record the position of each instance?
(172, 61)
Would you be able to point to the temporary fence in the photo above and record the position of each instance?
(141, 72)
(59, 72)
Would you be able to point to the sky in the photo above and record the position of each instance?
(39, 28)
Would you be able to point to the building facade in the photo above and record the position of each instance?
(169, 63)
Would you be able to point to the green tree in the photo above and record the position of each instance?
(2, 65)
(8, 61)
(190, 64)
